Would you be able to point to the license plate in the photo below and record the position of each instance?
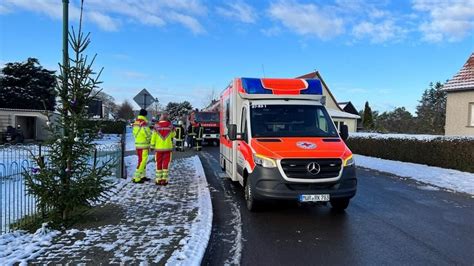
(314, 198)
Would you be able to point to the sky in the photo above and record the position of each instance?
(381, 51)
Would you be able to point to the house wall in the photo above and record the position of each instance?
(10, 117)
(351, 123)
(458, 114)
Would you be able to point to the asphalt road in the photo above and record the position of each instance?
(391, 221)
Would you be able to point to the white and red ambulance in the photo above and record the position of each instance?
(279, 142)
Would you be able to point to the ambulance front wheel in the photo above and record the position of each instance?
(252, 204)
(339, 205)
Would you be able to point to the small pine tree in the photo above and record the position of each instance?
(71, 177)
(368, 120)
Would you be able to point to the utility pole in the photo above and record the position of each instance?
(65, 39)
(65, 67)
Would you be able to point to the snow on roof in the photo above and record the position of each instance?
(464, 79)
(340, 114)
(343, 105)
(422, 137)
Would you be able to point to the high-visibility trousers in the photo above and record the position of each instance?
(163, 159)
(142, 160)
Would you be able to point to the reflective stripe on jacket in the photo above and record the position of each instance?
(141, 133)
(162, 137)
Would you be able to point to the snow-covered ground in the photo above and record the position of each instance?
(129, 140)
(158, 225)
(444, 178)
(405, 136)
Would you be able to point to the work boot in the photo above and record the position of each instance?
(145, 179)
(164, 182)
(137, 180)
(158, 181)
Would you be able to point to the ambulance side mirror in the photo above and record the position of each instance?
(344, 132)
(232, 132)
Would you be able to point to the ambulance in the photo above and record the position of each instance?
(279, 142)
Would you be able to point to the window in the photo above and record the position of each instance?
(291, 121)
(471, 114)
(243, 125)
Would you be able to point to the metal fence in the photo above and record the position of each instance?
(17, 205)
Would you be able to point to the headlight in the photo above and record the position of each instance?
(264, 161)
(349, 161)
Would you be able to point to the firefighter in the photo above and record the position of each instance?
(191, 135)
(180, 136)
(162, 143)
(199, 135)
(142, 135)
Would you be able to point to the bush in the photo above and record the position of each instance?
(454, 153)
(108, 127)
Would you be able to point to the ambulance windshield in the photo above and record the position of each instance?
(291, 121)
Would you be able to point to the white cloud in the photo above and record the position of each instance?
(239, 11)
(4, 10)
(109, 15)
(270, 32)
(307, 19)
(450, 20)
(380, 32)
(188, 21)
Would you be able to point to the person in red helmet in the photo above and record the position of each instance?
(162, 143)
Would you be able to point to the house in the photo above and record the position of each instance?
(32, 122)
(338, 114)
(350, 108)
(460, 101)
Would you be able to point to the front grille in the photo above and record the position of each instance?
(298, 168)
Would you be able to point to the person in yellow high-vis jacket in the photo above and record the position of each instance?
(162, 143)
(142, 134)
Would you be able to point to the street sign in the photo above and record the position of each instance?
(144, 99)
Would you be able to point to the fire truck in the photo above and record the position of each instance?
(210, 123)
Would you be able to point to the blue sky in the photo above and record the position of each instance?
(384, 52)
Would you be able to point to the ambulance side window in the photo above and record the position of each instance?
(243, 125)
(227, 112)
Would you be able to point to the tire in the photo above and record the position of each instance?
(223, 165)
(339, 205)
(252, 204)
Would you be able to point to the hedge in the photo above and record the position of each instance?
(109, 127)
(453, 153)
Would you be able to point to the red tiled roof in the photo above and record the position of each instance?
(464, 79)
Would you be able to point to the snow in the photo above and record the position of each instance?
(157, 225)
(129, 140)
(435, 176)
(109, 140)
(194, 246)
(19, 246)
(406, 136)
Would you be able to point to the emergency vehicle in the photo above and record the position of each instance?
(210, 123)
(279, 142)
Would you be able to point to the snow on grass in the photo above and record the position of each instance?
(406, 136)
(194, 245)
(439, 177)
(19, 247)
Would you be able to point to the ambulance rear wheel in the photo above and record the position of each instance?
(252, 204)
